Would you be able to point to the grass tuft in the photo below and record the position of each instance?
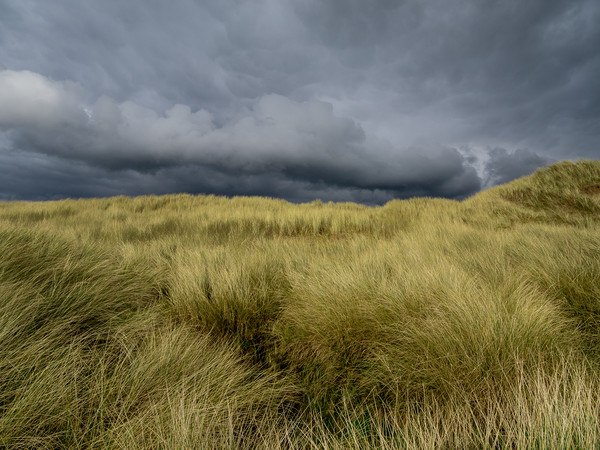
(186, 321)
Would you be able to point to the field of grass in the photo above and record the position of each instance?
(205, 322)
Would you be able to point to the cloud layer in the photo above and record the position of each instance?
(363, 101)
(276, 146)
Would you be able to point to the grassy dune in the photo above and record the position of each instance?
(205, 322)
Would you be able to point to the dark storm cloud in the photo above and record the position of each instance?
(503, 166)
(277, 143)
(335, 99)
(521, 74)
(43, 177)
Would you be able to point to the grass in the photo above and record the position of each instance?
(206, 322)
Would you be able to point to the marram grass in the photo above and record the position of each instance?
(205, 322)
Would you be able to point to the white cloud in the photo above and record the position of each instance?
(28, 99)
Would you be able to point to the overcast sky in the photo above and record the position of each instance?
(343, 100)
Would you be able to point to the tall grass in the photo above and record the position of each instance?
(205, 322)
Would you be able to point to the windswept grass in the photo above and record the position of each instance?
(205, 322)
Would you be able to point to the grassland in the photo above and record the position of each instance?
(205, 322)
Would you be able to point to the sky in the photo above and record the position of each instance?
(352, 100)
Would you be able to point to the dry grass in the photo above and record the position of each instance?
(206, 322)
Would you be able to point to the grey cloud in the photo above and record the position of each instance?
(491, 73)
(304, 143)
(504, 166)
(42, 177)
(31, 176)
(246, 79)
